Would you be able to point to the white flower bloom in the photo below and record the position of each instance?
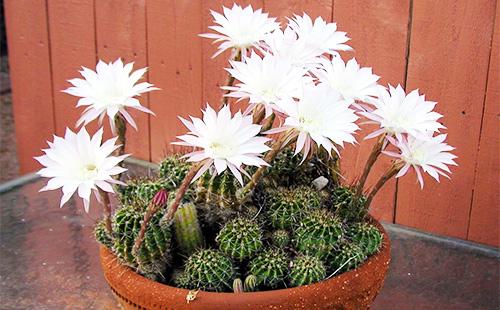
(78, 162)
(320, 116)
(225, 141)
(351, 81)
(109, 91)
(398, 113)
(431, 155)
(240, 28)
(265, 80)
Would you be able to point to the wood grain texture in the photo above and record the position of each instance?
(287, 8)
(449, 52)
(174, 51)
(485, 214)
(121, 33)
(30, 75)
(73, 46)
(214, 75)
(379, 33)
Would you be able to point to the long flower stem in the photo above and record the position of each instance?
(376, 150)
(269, 123)
(392, 171)
(182, 190)
(277, 146)
(106, 208)
(121, 130)
(230, 79)
(259, 112)
(150, 212)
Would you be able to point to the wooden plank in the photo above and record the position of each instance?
(214, 75)
(449, 52)
(73, 46)
(288, 8)
(174, 51)
(121, 32)
(484, 218)
(29, 58)
(378, 32)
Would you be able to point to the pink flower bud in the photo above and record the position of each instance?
(160, 198)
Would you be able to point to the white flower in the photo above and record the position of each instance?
(398, 113)
(78, 162)
(431, 155)
(225, 141)
(265, 80)
(320, 116)
(240, 28)
(109, 91)
(351, 81)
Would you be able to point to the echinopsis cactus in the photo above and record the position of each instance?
(348, 206)
(270, 267)
(349, 256)
(210, 270)
(280, 238)
(188, 234)
(240, 238)
(173, 170)
(306, 269)
(366, 236)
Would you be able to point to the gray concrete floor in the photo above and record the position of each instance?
(49, 260)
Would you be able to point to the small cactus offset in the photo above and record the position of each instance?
(209, 270)
(181, 279)
(280, 238)
(366, 236)
(250, 284)
(305, 269)
(101, 235)
(188, 234)
(349, 256)
(318, 233)
(345, 206)
(270, 267)
(284, 210)
(173, 169)
(240, 238)
(237, 285)
(154, 254)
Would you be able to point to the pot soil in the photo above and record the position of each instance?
(355, 289)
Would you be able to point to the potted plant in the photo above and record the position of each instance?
(256, 215)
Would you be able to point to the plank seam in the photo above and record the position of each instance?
(148, 99)
(49, 49)
(482, 122)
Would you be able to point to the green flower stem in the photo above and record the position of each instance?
(150, 212)
(121, 129)
(392, 171)
(376, 150)
(230, 78)
(106, 210)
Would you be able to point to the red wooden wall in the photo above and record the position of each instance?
(449, 49)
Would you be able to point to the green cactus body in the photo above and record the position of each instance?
(270, 267)
(250, 284)
(349, 256)
(139, 192)
(173, 169)
(238, 285)
(187, 229)
(240, 238)
(306, 269)
(101, 235)
(318, 233)
(217, 189)
(284, 210)
(210, 270)
(366, 236)
(154, 254)
(181, 279)
(280, 238)
(308, 196)
(345, 206)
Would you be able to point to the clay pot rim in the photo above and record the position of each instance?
(140, 280)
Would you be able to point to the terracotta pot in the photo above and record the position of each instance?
(355, 289)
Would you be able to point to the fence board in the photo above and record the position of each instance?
(484, 220)
(449, 50)
(174, 51)
(29, 59)
(121, 32)
(73, 46)
(378, 32)
(288, 8)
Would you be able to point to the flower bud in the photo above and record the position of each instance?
(160, 198)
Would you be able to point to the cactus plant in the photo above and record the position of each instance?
(284, 210)
(280, 238)
(306, 269)
(270, 267)
(141, 191)
(345, 206)
(250, 284)
(101, 235)
(154, 253)
(173, 169)
(318, 233)
(308, 196)
(348, 256)
(188, 234)
(210, 270)
(217, 189)
(181, 279)
(366, 236)
(240, 238)
(237, 285)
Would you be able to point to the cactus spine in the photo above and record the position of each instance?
(306, 269)
(284, 210)
(209, 270)
(101, 235)
(366, 236)
(280, 238)
(345, 206)
(270, 267)
(188, 234)
(173, 169)
(240, 238)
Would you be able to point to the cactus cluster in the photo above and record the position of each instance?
(366, 236)
(270, 267)
(240, 238)
(101, 235)
(306, 269)
(346, 206)
(209, 270)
